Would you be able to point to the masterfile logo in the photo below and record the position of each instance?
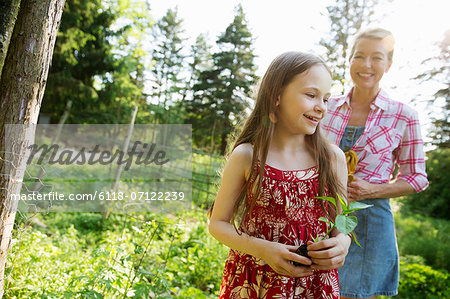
(80, 168)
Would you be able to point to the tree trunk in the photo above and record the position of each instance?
(22, 85)
(8, 15)
(225, 131)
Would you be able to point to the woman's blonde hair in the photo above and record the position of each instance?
(375, 33)
(258, 131)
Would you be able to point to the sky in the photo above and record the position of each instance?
(298, 25)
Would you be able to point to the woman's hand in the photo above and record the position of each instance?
(358, 190)
(329, 253)
(280, 256)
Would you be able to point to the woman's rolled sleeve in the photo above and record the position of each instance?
(411, 158)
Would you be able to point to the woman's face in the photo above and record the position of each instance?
(369, 63)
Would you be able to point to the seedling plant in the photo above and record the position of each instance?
(344, 222)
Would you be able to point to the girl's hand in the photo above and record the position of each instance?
(358, 190)
(280, 256)
(329, 253)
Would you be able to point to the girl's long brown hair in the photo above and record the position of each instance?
(258, 131)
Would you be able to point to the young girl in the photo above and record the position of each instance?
(278, 165)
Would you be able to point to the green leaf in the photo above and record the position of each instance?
(323, 219)
(346, 224)
(356, 240)
(142, 290)
(68, 294)
(80, 277)
(343, 203)
(356, 205)
(91, 294)
(330, 199)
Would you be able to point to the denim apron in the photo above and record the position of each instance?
(372, 269)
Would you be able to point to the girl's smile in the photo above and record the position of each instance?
(313, 119)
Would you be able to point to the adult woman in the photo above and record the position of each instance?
(383, 133)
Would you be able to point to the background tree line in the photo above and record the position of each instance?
(111, 56)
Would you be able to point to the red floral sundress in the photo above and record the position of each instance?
(288, 213)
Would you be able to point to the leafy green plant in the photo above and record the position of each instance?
(434, 200)
(424, 236)
(418, 280)
(135, 255)
(344, 222)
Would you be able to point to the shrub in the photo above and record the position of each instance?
(424, 236)
(434, 200)
(144, 256)
(418, 281)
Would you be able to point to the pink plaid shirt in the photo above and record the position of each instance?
(391, 136)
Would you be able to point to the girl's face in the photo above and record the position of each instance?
(303, 102)
(369, 63)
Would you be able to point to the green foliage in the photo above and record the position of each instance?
(168, 64)
(81, 53)
(82, 223)
(418, 281)
(223, 92)
(104, 53)
(346, 18)
(92, 65)
(199, 60)
(434, 200)
(344, 222)
(426, 237)
(193, 261)
(439, 72)
(134, 256)
(82, 255)
(205, 178)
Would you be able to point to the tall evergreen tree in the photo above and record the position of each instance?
(223, 92)
(169, 63)
(346, 18)
(440, 72)
(199, 60)
(82, 52)
(124, 87)
(95, 66)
